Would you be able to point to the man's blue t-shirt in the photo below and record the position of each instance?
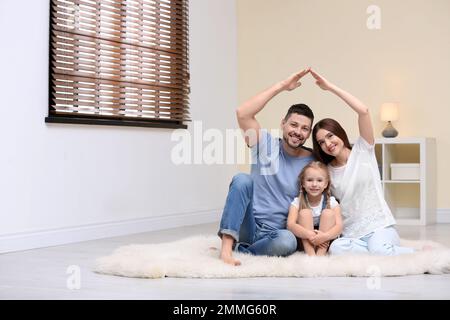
(274, 173)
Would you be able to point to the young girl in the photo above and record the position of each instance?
(315, 216)
(368, 221)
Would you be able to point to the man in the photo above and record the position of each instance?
(255, 213)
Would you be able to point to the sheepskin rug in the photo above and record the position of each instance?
(198, 257)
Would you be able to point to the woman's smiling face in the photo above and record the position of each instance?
(329, 142)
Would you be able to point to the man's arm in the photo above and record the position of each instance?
(247, 111)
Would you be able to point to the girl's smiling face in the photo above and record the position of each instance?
(315, 181)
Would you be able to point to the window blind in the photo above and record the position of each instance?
(119, 62)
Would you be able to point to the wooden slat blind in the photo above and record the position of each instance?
(120, 59)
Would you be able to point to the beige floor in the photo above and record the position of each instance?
(41, 274)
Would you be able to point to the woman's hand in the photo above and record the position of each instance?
(321, 81)
(293, 82)
(364, 121)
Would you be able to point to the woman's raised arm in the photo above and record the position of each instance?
(364, 120)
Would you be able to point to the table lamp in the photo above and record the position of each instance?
(389, 113)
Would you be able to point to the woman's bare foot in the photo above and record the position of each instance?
(427, 247)
(227, 258)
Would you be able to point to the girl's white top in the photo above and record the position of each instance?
(357, 186)
(317, 210)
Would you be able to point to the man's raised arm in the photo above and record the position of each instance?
(247, 111)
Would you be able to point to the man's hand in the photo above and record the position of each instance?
(321, 81)
(293, 82)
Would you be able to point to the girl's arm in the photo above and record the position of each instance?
(335, 231)
(292, 225)
(364, 121)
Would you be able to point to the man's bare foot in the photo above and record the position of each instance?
(229, 260)
(226, 253)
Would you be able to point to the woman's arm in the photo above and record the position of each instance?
(292, 225)
(364, 121)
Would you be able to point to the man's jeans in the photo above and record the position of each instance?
(238, 221)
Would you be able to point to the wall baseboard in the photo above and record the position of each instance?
(55, 237)
(443, 216)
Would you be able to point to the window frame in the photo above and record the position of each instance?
(76, 117)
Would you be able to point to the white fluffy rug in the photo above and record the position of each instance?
(193, 258)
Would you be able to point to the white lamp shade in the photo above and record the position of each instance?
(389, 111)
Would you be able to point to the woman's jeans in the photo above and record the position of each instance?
(384, 242)
(238, 221)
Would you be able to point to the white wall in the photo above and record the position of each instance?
(62, 183)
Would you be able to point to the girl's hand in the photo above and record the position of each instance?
(319, 238)
(311, 234)
(293, 82)
(321, 81)
(324, 245)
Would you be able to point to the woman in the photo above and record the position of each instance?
(355, 182)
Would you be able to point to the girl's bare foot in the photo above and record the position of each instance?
(311, 254)
(427, 247)
(227, 258)
(323, 249)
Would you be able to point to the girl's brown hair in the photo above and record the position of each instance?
(303, 203)
(335, 128)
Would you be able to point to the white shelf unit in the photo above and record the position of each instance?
(412, 202)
